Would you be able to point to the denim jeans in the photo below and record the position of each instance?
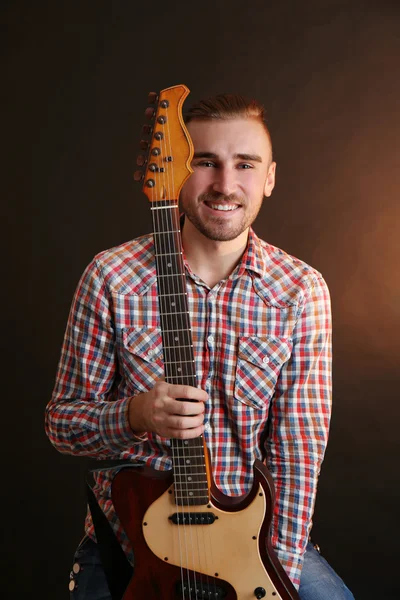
(318, 580)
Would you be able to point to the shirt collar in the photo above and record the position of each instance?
(252, 259)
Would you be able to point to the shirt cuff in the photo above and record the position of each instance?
(292, 563)
(114, 427)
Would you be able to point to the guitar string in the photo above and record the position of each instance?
(162, 215)
(162, 251)
(188, 355)
(168, 225)
(199, 532)
(180, 460)
(202, 532)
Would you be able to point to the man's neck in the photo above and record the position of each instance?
(210, 260)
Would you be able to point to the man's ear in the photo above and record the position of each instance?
(270, 181)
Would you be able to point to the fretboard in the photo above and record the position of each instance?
(188, 456)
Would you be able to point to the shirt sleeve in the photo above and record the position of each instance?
(298, 429)
(83, 416)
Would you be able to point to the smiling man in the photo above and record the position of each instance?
(261, 328)
(233, 171)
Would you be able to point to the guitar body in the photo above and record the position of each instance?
(228, 557)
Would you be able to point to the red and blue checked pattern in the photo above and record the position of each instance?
(262, 345)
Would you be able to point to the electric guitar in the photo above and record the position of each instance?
(190, 541)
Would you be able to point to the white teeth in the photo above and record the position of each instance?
(223, 206)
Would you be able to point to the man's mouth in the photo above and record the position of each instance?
(222, 207)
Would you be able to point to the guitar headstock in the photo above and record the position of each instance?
(167, 155)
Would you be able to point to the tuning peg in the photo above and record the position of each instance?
(152, 97)
(146, 129)
(143, 144)
(140, 160)
(149, 113)
(138, 175)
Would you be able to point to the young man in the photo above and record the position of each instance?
(261, 329)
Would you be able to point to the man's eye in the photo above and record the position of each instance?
(245, 166)
(207, 163)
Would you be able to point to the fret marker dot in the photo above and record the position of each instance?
(190, 493)
(173, 304)
(179, 369)
(186, 442)
(176, 339)
(188, 462)
(189, 479)
(169, 265)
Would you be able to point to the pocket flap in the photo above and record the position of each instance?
(264, 351)
(144, 342)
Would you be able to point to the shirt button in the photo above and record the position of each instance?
(76, 568)
(207, 427)
(210, 339)
(265, 360)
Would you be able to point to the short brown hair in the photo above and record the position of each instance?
(227, 106)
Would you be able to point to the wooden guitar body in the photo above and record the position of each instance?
(227, 554)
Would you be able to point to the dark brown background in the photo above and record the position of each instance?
(76, 78)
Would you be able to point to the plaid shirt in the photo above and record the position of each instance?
(262, 346)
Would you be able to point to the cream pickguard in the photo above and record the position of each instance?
(226, 549)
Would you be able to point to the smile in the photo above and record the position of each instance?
(224, 207)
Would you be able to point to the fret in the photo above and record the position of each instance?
(174, 359)
(183, 497)
(193, 501)
(180, 376)
(169, 320)
(165, 232)
(163, 207)
(180, 369)
(165, 285)
(175, 330)
(199, 489)
(181, 362)
(192, 477)
(169, 254)
(185, 445)
(177, 294)
(197, 464)
(172, 314)
(186, 459)
(177, 347)
(170, 275)
(166, 314)
(182, 484)
(182, 476)
(200, 448)
(187, 448)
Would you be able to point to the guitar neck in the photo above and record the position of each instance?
(172, 295)
(188, 456)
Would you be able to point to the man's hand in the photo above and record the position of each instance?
(169, 411)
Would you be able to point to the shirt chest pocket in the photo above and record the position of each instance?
(142, 357)
(260, 360)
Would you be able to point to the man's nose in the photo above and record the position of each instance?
(225, 181)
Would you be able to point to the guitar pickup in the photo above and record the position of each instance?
(190, 518)
(200, 591)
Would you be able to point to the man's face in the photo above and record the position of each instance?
(232, 172)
